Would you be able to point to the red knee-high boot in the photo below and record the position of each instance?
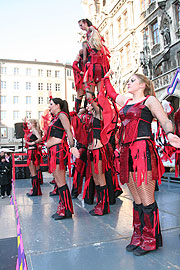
(151, 237)
(65, 206)
(77, 185)
(40, 176)
(102, 207)
(36, 189)
(138, 226)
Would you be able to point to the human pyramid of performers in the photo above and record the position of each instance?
(109, 136)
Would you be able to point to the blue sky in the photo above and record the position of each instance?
(45, 30)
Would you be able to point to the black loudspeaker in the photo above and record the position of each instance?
(19, 132)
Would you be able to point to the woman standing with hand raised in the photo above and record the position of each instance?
(140, 164)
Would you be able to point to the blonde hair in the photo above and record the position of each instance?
(35, 124)
(149, 88)
(95, 40)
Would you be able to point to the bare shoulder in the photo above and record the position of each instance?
(152, 101)
(63, 116)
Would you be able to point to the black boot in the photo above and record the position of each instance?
(65, 206)
(151, 236)
(138, 227)
(102, 207)
(36, 189)
(89, 193)
(40, 176)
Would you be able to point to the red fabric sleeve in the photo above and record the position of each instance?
(75, 67)
(109, 88)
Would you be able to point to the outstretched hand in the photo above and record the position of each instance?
(109, 73)
(174, 140)
(75, 152)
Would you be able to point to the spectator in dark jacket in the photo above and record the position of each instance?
(5, 177)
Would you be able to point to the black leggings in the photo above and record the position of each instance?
(6, 188)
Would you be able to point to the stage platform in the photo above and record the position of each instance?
(85, 242)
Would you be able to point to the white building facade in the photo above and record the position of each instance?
(24, 92)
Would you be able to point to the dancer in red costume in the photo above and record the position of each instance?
(177, 132)
(139, 162)
(96, 58)
(58, 132)
(32, 140)
(97, 154)
(81, 136)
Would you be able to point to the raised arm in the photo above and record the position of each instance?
(118, 98)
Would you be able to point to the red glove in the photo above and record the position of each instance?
(110, 90)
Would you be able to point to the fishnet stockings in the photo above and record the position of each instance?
(145, 193)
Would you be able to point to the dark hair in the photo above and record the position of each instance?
(62, 104)
(2, 157)
(89, 23)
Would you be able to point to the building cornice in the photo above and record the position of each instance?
(117, 6)
(35, 63)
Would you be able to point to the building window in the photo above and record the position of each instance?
(73, 97)
(72, 85)
(40, 72)
(15, 115)
(68, 72)
(48, 73)
(143, 5)
(49, 86)
(40, 86)
(3, 70)
(107, 38)
(178, 58)
(121, 58)
(3, 115)
(28, 71)
(3, 99)
(57, 87)
(3, 132)
(40, 113)
(57, 74)
(28, 114)
(16, 85)
(28, 85)
(155, 33)
(16, 71)
(40, 100)
(119, 25)
(125, 17)
(28, 100)
(3, 85)
(15, 99)
(178, 12)
(128, 53)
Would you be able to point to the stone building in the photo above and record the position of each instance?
(24, 92)
(143, 36)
